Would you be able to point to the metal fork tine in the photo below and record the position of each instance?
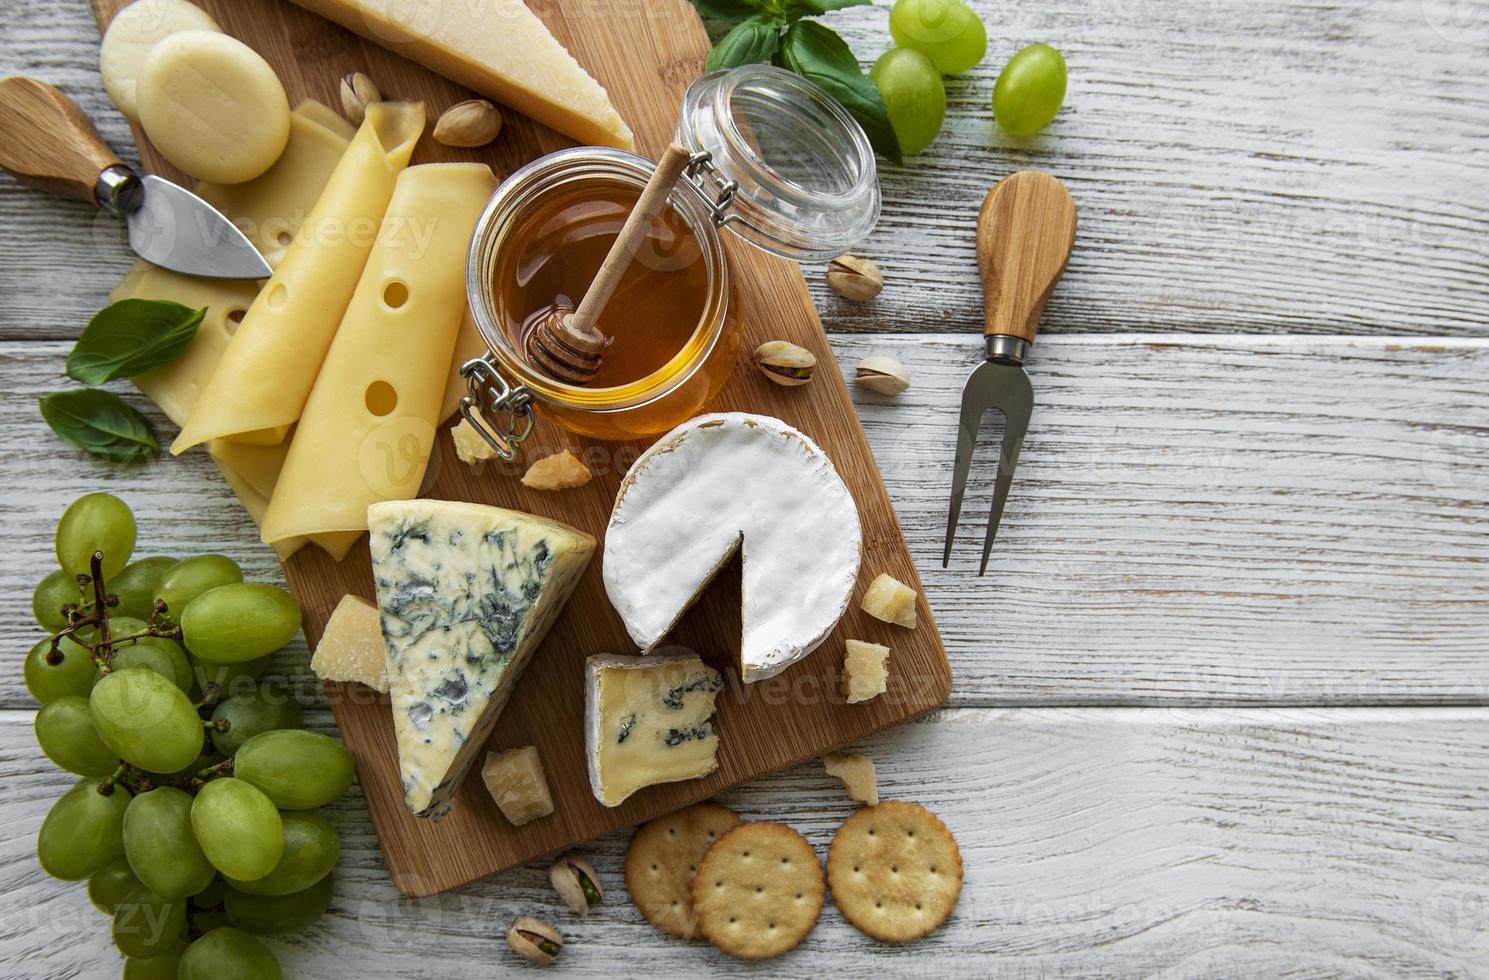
(966, 443)
(1017, 423)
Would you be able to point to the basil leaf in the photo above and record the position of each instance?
(817, 53)
(100, 423)
(751, 42)
(728, 11)
(814, 8)
(131, 337)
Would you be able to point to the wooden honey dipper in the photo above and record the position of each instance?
(566, 344)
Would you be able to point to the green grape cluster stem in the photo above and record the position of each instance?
(95, 614)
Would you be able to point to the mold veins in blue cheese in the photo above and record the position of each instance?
(647, 721)
(466, 592)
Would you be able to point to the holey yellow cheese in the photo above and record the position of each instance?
(260, 385)
(369, 425)
(497, 47)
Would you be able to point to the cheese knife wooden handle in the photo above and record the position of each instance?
(50, 143)
(1025, 233)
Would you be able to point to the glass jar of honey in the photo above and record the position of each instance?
(775, 160)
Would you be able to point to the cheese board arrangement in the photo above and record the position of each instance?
(577, 531)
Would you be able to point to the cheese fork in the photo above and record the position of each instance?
(1025, 233)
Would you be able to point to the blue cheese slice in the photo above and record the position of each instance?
(647, 722)
(466, 592)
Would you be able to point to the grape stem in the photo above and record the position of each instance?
(103, 650)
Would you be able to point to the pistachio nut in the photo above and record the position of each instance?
(854, 278)
(534, 941)
(474, 122)
(785, 363)
(576, 883)
(357, 93)
(882, 374)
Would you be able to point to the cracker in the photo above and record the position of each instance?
(895, 871)
(662, 859)
(759, 891)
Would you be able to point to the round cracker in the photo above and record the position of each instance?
(662, 859)
(895, 871)
(758, 891)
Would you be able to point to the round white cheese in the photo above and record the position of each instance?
(731, 482)
(132, 33)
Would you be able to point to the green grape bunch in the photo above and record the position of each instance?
(192, 821)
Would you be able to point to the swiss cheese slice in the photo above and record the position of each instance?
(496, 47)
(263, 379)
(647, 722)
(721, 484)
(466, 593)
(369, 424)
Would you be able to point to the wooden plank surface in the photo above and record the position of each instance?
(1245, 519)
(1285, 166)
(1237, 843)
(646, 62)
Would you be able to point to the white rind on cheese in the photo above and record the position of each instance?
(646, 721)
(725, 483)
(466, 592)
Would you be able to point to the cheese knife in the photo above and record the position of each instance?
(50, 144)
(1025, 233)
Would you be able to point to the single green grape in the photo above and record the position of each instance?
(914, 95)
(298, 770)
(265, 915)
(1030, 90)
(311, 849)
(73, 677)
(228, 954)
(111, 884)
(266, 708)
(238, 827)
(161, 847)
(58, 589)
(190, 577)
(138, 585)
(245, 621)
(161, 654)
(161, 967)
(147, 924)
(231, 679)
(146, 720)
(946, 31)
(65, 732)
(95, 522)
(83, 832)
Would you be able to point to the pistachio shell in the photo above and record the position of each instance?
(474, 122)
(576, 883)
(535, 941)
(785, 363)
(854, 278)
(882, 374)
(357, 93)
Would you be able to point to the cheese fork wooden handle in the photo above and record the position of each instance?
(49, 143)
(1025, 234)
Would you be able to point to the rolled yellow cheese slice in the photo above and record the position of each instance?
(264, 377)
(368, 427)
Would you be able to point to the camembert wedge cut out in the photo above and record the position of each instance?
(727, 483)
(497, 47)
(647, 722)
(466, 592)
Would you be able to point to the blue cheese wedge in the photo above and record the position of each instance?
(465, 592)
(647, 721)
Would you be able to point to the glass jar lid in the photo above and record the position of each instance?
(792, 171)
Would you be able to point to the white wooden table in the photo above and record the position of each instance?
(1222, 700)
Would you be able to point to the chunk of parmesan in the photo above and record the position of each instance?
(890, 600)
(469, 445)
(857, 773)
(865, 671)
(351, 648)
(516, 781)
(561, 471)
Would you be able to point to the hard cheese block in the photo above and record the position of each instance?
(713, 486)
(647, 722)
(466, 594)
(496, 47)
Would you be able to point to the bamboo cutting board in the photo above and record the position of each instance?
(645, 52)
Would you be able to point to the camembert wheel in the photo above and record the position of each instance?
(725, 483)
